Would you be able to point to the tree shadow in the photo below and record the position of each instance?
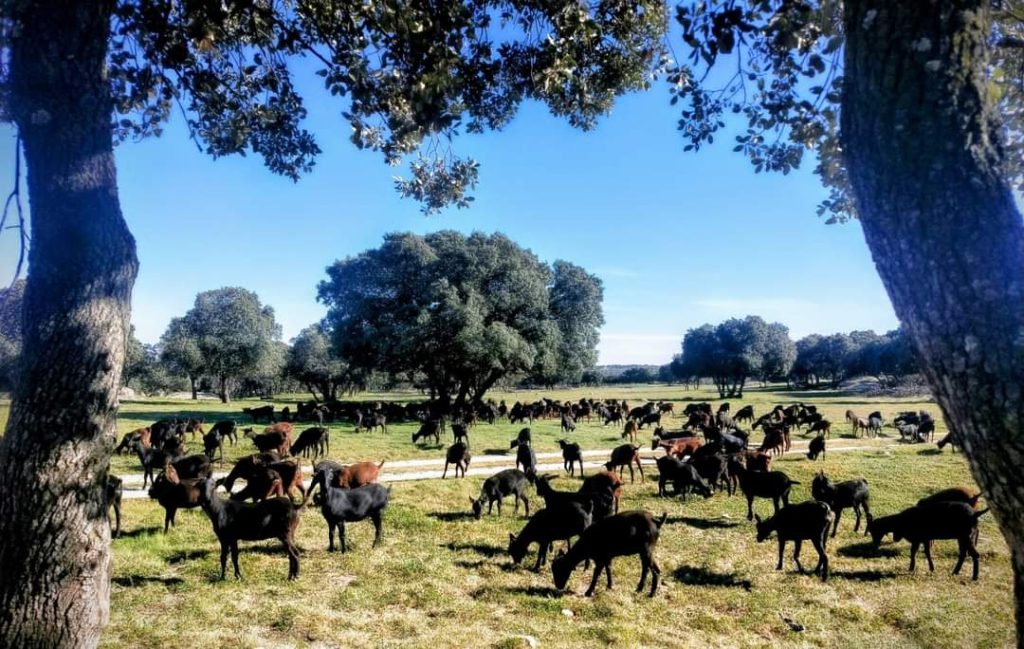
(138, 581)
(701, 576)
(703, 523)
(480, 548)
(866, 550)
(864, 575)
(930, 451)
(139, 531)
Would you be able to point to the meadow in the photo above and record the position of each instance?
(441, 578)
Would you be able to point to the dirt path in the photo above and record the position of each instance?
(485, 465)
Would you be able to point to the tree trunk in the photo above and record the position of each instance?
(195, 392)
(54, 456)
(922, 147)
(224, 396)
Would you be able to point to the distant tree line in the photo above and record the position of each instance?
(450, 314)
(738, 350)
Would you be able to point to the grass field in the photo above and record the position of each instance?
(442, 579)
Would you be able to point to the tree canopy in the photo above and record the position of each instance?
(227, 334)
(313, 361)
(460, 313)
(734, 351)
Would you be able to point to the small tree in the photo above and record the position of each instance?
(312, 361)
(234, 335)
(180, 352)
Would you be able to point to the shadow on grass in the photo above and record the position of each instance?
(866, 550)
(930, 451)
(187, 555)
(495, 451)
(700, 576)
(138, 581)
(140, 531)
(480, 548)
(452, 517)
(532, 591)
(704, 523)
(864, 575)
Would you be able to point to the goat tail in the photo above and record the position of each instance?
(978, 515)
(381, 464)
(661, 521)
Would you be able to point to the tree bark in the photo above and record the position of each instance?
(922, 146)
(54, 557)
(195, 392)
(224, 396)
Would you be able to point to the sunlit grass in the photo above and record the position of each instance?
(442, 579)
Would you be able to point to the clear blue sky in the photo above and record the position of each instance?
(678, 238)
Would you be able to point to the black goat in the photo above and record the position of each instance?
(113, 493)
(551, 524)
(523, 438)
(922, 524)
(844, 495)
(807, 520)
(510, 482)
(173, 493)
(315, 441)
(763, 484)
(340, 506)
(684, 477)
(527, 459)
(571, 454)
(816, 448)
(633, 532)
(429, 428)
(235, 521)
(457, 454)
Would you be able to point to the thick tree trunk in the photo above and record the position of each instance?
(54, 558)
(922, 147)
(195, 391)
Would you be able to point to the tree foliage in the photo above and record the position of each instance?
(228, 335)
(10, 332)
(776, 66)
(458, 313)
(830, 359)
(734, 351)
(313, 361)
(408, 76)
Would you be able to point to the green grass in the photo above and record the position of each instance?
(442, 579)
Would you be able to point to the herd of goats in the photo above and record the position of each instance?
(710, 453)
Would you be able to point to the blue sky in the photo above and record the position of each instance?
(678, 238)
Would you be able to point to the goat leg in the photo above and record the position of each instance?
(797, 544)
(645, 566)
(928, 555)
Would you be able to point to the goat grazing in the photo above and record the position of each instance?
(816, 448)
(559, 523)
(173, 493)
(628, 533)
(937, 520)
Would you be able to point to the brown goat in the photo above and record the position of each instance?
(630, 431)
(681, 447)
(357, 475)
